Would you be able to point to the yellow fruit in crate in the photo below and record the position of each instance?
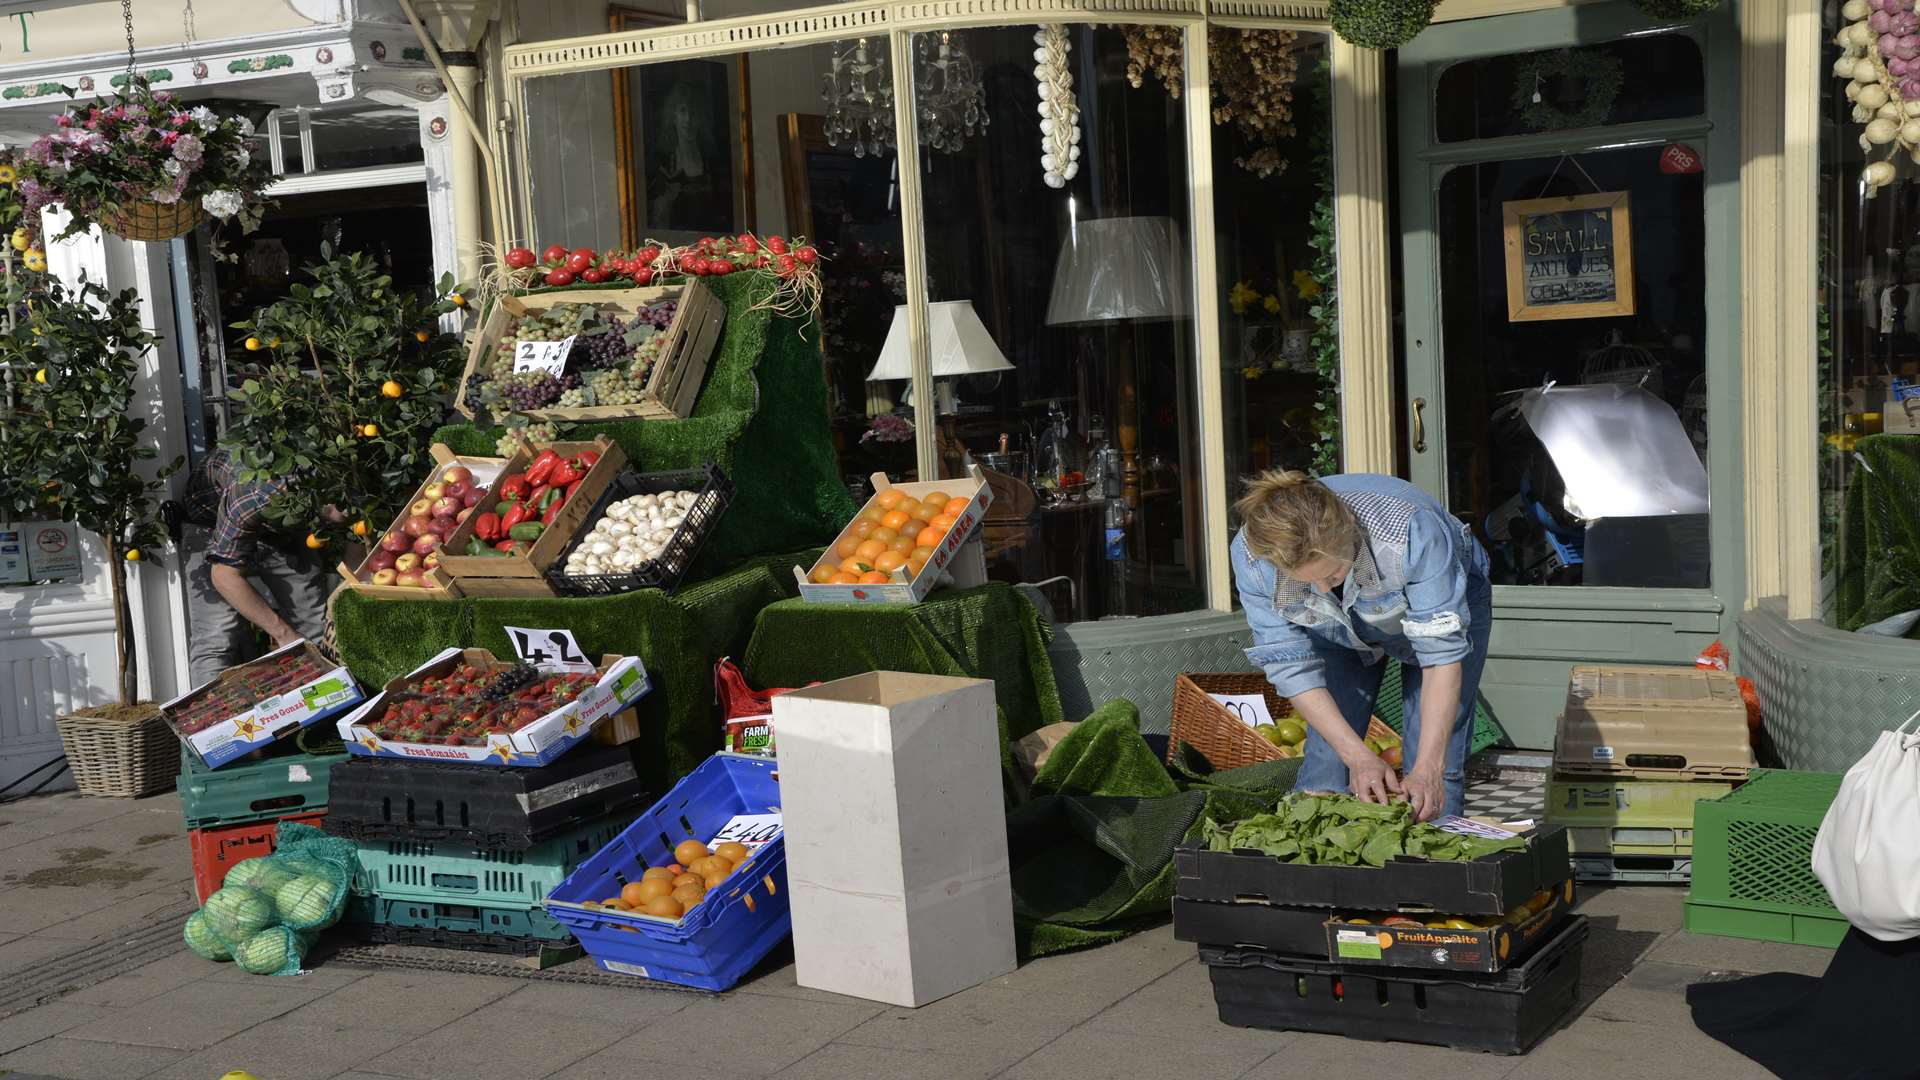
(1271, 733)
(1292, 731)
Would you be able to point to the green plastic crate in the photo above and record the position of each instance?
(1643, 840)
(1629, 817)
(462, 872)
(1387, 706)
(1753, 861)
(289, 781)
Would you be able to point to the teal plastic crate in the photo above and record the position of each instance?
(1387, 705)
(462, 872)
(1753, 861)
(530, 924)
(283, 782)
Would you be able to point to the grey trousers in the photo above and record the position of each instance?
(219, 637)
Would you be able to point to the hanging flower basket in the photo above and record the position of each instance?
(145, 220)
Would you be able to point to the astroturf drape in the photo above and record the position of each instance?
(1880, 540)
(762, 415)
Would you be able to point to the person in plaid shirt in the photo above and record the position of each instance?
(244, 577)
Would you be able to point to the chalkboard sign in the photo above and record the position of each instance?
(1569, 257)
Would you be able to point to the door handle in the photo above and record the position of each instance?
(1419, 425)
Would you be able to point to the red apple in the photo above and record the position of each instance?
(397, 541)
(434, 491)
(473, 497)
(431, 561)
(407, 563)
(381, 559)
(443, 526)
(384, 577)
(409, 579)
(457, 474)
(416, 524)
(420, 506)
(445, 506)
(426, 542)
(463, 515)
(457, 489)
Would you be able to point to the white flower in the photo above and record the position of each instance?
(222, 204)
(173, 167)
(164, 195)
(205, 117)
(242, 157)
(246, 127)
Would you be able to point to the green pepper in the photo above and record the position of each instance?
(526, 530)
(552, 496)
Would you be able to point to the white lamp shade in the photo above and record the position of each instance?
(1120, 268)
(961, 344)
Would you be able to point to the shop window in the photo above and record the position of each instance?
(1658, 76)
(313, 139)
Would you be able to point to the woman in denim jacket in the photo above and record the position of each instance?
(1336, 574)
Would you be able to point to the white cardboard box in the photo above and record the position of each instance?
(896, 836)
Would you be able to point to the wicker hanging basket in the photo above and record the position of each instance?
(147, 220)
(120, 755)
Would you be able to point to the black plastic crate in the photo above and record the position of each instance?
(1289, 931)
(389, 799)
(1494, 885)
(670, 569)
(1505, 1013)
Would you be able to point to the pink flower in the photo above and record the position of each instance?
(169, 138)
(64, 120)
(181, 119)
(187, 148)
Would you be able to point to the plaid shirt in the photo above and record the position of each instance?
(234, 507)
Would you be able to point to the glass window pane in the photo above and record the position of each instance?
(1648, 77)
(1623, 382)
(283, 133)
(365, 136)
(1062, 324)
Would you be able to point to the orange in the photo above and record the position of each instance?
(903, 545)
(686, 851)
(846, 547)
(664, 907)
(914, 527)
(884, 534)
(930, 537)
(684, 880)
(732, 851)
(930, 509)
(712, 864)
(823, 573)
(689, 895)
(714, 881)
(856, 566)
(890, 498)
(919, 558)
(943, 522)
(958, 506)
(871, 549)
(656, 872)
(894, 519)
(861, 529)
(873, 514)
(937, 498)
(890, 561)
(843, 578)
(873, 577)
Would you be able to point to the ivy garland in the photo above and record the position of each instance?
(1600, 74)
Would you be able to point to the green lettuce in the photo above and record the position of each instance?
(1337, 830)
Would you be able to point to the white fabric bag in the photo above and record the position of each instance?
(1868, 851)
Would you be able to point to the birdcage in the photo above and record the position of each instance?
(1623, 363)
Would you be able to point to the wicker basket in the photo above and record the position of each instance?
(1207, 726)
(145, 220)
(124, 758)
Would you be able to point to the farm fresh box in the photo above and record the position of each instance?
(439, 711)
(249, 706)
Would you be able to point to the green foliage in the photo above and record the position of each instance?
(1380, 24)
(1325, 309)
(324, 354)
(1338, 830)
(1677, 9)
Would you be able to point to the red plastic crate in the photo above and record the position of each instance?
(216, 851)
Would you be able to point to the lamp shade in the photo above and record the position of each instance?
(1120, 268)
(961, 344)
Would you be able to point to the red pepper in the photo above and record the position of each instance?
(487, 526)
(505, 545)
(542, 465)
(575, 487)
(553, 511)
(565, 473)
(515, 487)
(521, 511)
(586, 459)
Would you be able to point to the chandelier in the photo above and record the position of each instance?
(858, 91)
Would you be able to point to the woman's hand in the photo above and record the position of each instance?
(1371, 779)
(1426, 789)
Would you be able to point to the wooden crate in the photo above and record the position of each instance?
(674, 384)
(442, 586)
(525, 575)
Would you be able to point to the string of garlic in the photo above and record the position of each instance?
(1880, 58)
(1059, 113)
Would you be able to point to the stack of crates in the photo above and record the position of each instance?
(234, 812)
(460, 856)
(1637, 749)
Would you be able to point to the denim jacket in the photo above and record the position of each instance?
(1407, 594)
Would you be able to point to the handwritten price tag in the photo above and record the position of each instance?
(1250, 708)
(751, 830)
(549, 649)
(548, 356)
(1469, 827)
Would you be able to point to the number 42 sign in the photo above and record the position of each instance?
(548, 649)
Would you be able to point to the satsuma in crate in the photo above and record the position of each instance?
(295, 782)
(1504, 1014)
(679, 368)
(713, 493)
(716, 943)
(455, 872)
(1753, 861)
(216, 851)
(435, 582)
(957, 558)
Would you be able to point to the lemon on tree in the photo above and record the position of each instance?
(35, 260)
(21, 240)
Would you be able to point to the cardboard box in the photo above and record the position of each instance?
(1484, 949)
(1670, 723)
(525, 575)
(327, 691)
(623, 680)
(486, 470)
(896, 836)
(959, 560)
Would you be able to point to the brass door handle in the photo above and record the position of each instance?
(1419, 425)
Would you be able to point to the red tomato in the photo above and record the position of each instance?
(806, 255)
(748, 244)
(520, 258)
(643, 275)
(579, 263)
(647, 254)
(584, 251)
(785, 265)
(593, 275)
(554, 253)
(559, 276)
(776, 245)
(719, 266)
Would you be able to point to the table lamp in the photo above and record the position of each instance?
(960, 344)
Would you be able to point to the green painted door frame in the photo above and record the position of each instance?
(1541, 632)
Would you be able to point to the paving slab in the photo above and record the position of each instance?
(775, 1032)
(628, 1008)
(39, 816)
(198, 1014)
(495, 1042)
(1738, 954)
(33, 909)
(1634, 1034)
(987, 1026)
(1656, 908)
(1111, 971)
(1308, 1055)
(27, 952)
(782, 980)
(1179, 1006)
(85, 1059)
(145, 983)
(1610, 952)
(1084, 1054)
(282, 1050)
(29, 1027)
(409, 1001)
(129, 913)
(840, 1061)
(324, 977)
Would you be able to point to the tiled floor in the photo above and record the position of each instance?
(1509, 797)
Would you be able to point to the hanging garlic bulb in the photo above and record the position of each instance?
(1853, 91)
(1878, 174)
(1889, 111)
(1872, 95)
(1881, 132)
(1855, 10)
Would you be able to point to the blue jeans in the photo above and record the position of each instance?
(1354, 685)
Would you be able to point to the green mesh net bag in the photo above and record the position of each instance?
(270, 910)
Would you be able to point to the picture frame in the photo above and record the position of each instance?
(683, 143)
(1569, 257)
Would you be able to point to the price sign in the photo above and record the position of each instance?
(548, 356)
(751, 830)
(1250, 708)
(550, 649)
(1469, 827)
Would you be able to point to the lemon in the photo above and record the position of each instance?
(35, 260)
(21, 241)
(40, 376)
(370, 430)
(314, 542)
(391, 389)
(133, 554)
(254, 344)
(8, 174)
(457, 300)
(1292, 732)
(360, 528)
(422, 336)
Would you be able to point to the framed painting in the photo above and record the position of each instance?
(683, 143)
(1569, 257)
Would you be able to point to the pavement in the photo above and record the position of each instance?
(95, 984)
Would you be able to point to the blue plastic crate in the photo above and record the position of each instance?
(720, 940)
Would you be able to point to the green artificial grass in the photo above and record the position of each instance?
(761, 414)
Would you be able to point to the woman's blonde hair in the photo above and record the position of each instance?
(1292, 519)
